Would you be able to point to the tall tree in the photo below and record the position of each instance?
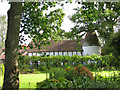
(39, 26)
(11, 79)
(3, 28)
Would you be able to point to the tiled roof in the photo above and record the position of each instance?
(65, 45)
(91, 39)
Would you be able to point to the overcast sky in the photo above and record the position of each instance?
(4, 6)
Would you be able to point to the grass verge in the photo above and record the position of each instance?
(28, 80)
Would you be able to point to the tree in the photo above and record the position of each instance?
(11, 79)
(100, 16)
(112, 47)
(3, 27)
(39, 26)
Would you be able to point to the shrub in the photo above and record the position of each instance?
(99, 82)
(57, 73)
(54, 83)
(106, 82)
(42, 68)
(79, 70)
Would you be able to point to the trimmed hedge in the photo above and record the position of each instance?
(106, 62)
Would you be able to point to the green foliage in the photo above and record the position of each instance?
(57, 73)
(55, 83)
(96, 16)
(70, 74)
(81, 82)
(112, 46)
(115, 42)
(106, 82)
(39, 25)
(42, 68)
(106, 62)
(59, 79)
(100, 16)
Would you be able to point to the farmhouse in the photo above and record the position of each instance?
(90, 45)
(65, 47)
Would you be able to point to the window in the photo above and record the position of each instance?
(29, 54)
(38, 54)
(70, 53)
(74, 53)
(56, 53)
(47, 53)
(60, 53)
(51, 53)
(79, 53)
(64, 53)
(34, 54)
(42, 53)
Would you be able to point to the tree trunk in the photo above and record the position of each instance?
(11, 79)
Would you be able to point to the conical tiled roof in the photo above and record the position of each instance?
(91, 39)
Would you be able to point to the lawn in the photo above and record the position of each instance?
(106, 73)
(30, 80)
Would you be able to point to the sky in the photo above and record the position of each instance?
(4, 7)
(67, 9)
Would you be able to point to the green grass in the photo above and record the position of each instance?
(106, 73)
(30, 80)
(1, 80)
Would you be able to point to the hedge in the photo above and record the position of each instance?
(102, 62)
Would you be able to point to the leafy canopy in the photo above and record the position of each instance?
(41, 26)
(100, 16)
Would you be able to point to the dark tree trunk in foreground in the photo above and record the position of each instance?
(11, 79)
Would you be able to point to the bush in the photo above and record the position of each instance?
(67, 78)
(55, 83)
(78, 71)
(81, 82)
(106, 82)
(57, 73)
